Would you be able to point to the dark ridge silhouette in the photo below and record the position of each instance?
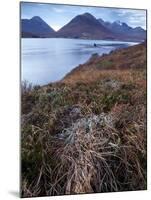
(84, 26)
(123, 31)
(36, 27)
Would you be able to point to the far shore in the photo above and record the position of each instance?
(126, 40)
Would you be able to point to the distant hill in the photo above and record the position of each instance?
(36, 27)
(85, 26)
(124, 31)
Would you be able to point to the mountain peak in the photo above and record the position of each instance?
(88, 15)
(124, 24)
(138, 28)
(101, 20)
(36, 18)
(118, 22)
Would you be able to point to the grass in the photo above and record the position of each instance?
(105, 64)
(85, 134)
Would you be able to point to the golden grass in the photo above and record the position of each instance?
(93, 75)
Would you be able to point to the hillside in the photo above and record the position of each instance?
(133, 57)
(87, 133)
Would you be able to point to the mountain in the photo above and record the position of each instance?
(117, 26)
(123, 31)
(139, 31)
(36, 27)
(85, 26)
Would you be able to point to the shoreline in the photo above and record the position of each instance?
(83, 64)
(127, 40)
(116, 46)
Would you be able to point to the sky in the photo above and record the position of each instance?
(57, 16)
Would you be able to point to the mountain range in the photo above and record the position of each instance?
(122, 30)
(84, 26)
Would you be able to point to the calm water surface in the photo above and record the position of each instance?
(49, 60)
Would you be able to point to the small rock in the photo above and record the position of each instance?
(112, 84)
(87, 125)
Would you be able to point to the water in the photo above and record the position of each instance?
(50, 59)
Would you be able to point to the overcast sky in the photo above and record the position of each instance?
(59, 15)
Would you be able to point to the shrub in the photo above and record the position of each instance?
(105, 64)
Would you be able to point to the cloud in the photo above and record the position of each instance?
(58, 10)
(41, 4)
(132, 17)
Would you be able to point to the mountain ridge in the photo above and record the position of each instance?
(83, 26)
(119, 28)
(36, 26)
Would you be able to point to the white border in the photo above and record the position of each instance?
(9, 98)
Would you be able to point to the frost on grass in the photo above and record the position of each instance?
(111, 84)
(87, 125)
